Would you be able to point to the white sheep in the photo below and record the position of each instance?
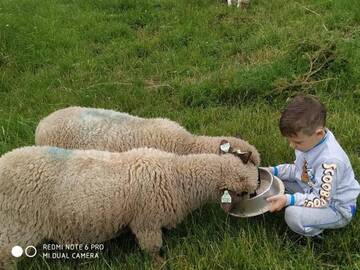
(89, 128)
(87, 196)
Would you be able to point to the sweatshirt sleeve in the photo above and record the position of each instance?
(321, 193)
(285, 171)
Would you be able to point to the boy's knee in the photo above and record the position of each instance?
(294, 219)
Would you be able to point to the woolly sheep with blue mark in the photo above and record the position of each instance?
(88, 196)
(89, 128)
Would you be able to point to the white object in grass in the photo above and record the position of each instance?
(239, 2)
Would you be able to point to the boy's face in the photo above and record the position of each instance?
(304, 142)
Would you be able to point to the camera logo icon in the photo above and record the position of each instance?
(17, 251)
(30, 251)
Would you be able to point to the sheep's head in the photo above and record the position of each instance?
(239, 175)
(237, 145)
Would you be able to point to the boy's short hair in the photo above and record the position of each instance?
(304, 113)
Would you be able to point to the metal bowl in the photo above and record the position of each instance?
(270, 185)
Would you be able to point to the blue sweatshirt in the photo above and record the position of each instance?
(325, 174)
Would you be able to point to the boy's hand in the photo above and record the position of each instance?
(276, 203)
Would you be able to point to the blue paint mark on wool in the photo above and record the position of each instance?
(59, 153)
(101, 114)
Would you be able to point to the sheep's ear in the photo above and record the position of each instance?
(224, 146)
(244, 156)
(227, 201)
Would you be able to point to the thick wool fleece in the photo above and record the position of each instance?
(88, 196)
(89, 128)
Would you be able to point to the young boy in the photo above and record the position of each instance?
(320, 185)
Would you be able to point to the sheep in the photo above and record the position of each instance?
(89, 128)
(88, 196)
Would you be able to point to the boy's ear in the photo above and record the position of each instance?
(320, 132)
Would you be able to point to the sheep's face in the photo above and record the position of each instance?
(239, 177)
(241, 146)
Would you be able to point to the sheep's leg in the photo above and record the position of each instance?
(5, 247)
(5, 257)
(229, 2)
(149, 240)
(12, 235)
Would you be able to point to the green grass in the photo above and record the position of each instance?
(214, 69)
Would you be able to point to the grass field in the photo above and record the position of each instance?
(217, 70)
